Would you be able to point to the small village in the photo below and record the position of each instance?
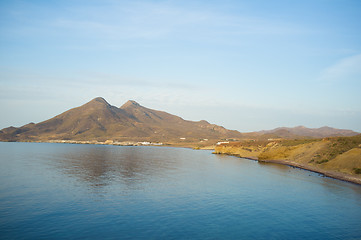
(108, 142)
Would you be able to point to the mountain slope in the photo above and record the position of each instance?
(162, 124)
(302, 131)
(98, 120)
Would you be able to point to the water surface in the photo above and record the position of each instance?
(57, 191)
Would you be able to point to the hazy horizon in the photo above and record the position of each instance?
(245, 65)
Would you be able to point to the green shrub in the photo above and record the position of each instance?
(295, 142)
(322, 161)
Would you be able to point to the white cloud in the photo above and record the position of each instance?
(32, 85)
(144, 20)
(346, 69)
(128, 21)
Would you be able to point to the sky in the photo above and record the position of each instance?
(245, 65)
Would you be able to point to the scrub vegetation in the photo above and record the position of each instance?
(340, 154)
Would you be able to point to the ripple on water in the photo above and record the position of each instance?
(87, 191)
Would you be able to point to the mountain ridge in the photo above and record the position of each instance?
(321, 132)
(99, 120)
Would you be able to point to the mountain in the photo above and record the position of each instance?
(301, 131)
(98, 120)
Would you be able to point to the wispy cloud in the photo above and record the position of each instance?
(128, 21)
(114, 25)
(158, 20)
(31, 85)
(112, 79)
(346, 69)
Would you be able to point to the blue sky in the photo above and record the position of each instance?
(246, 65)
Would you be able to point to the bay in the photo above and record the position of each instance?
(65, 191)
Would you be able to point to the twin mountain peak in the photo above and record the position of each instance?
(99, 101)
(98, 120)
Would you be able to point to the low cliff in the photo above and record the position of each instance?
(338, 157)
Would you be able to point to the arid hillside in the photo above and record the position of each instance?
(336, 154)
(301, 131)
(98, 120)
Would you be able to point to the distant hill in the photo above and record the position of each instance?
(98, 120)
(301, 131)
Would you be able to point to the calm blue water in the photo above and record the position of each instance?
(62, 191)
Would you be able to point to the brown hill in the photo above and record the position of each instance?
(98, 120)
(301, 131)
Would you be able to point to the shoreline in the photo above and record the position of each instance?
(190, 145)
(331, 174)
(121, 144)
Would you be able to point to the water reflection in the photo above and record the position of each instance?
(102, 165)
(88, 191)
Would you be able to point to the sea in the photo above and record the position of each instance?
(75, 191)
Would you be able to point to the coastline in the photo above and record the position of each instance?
(331, 174)
(126, 143)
